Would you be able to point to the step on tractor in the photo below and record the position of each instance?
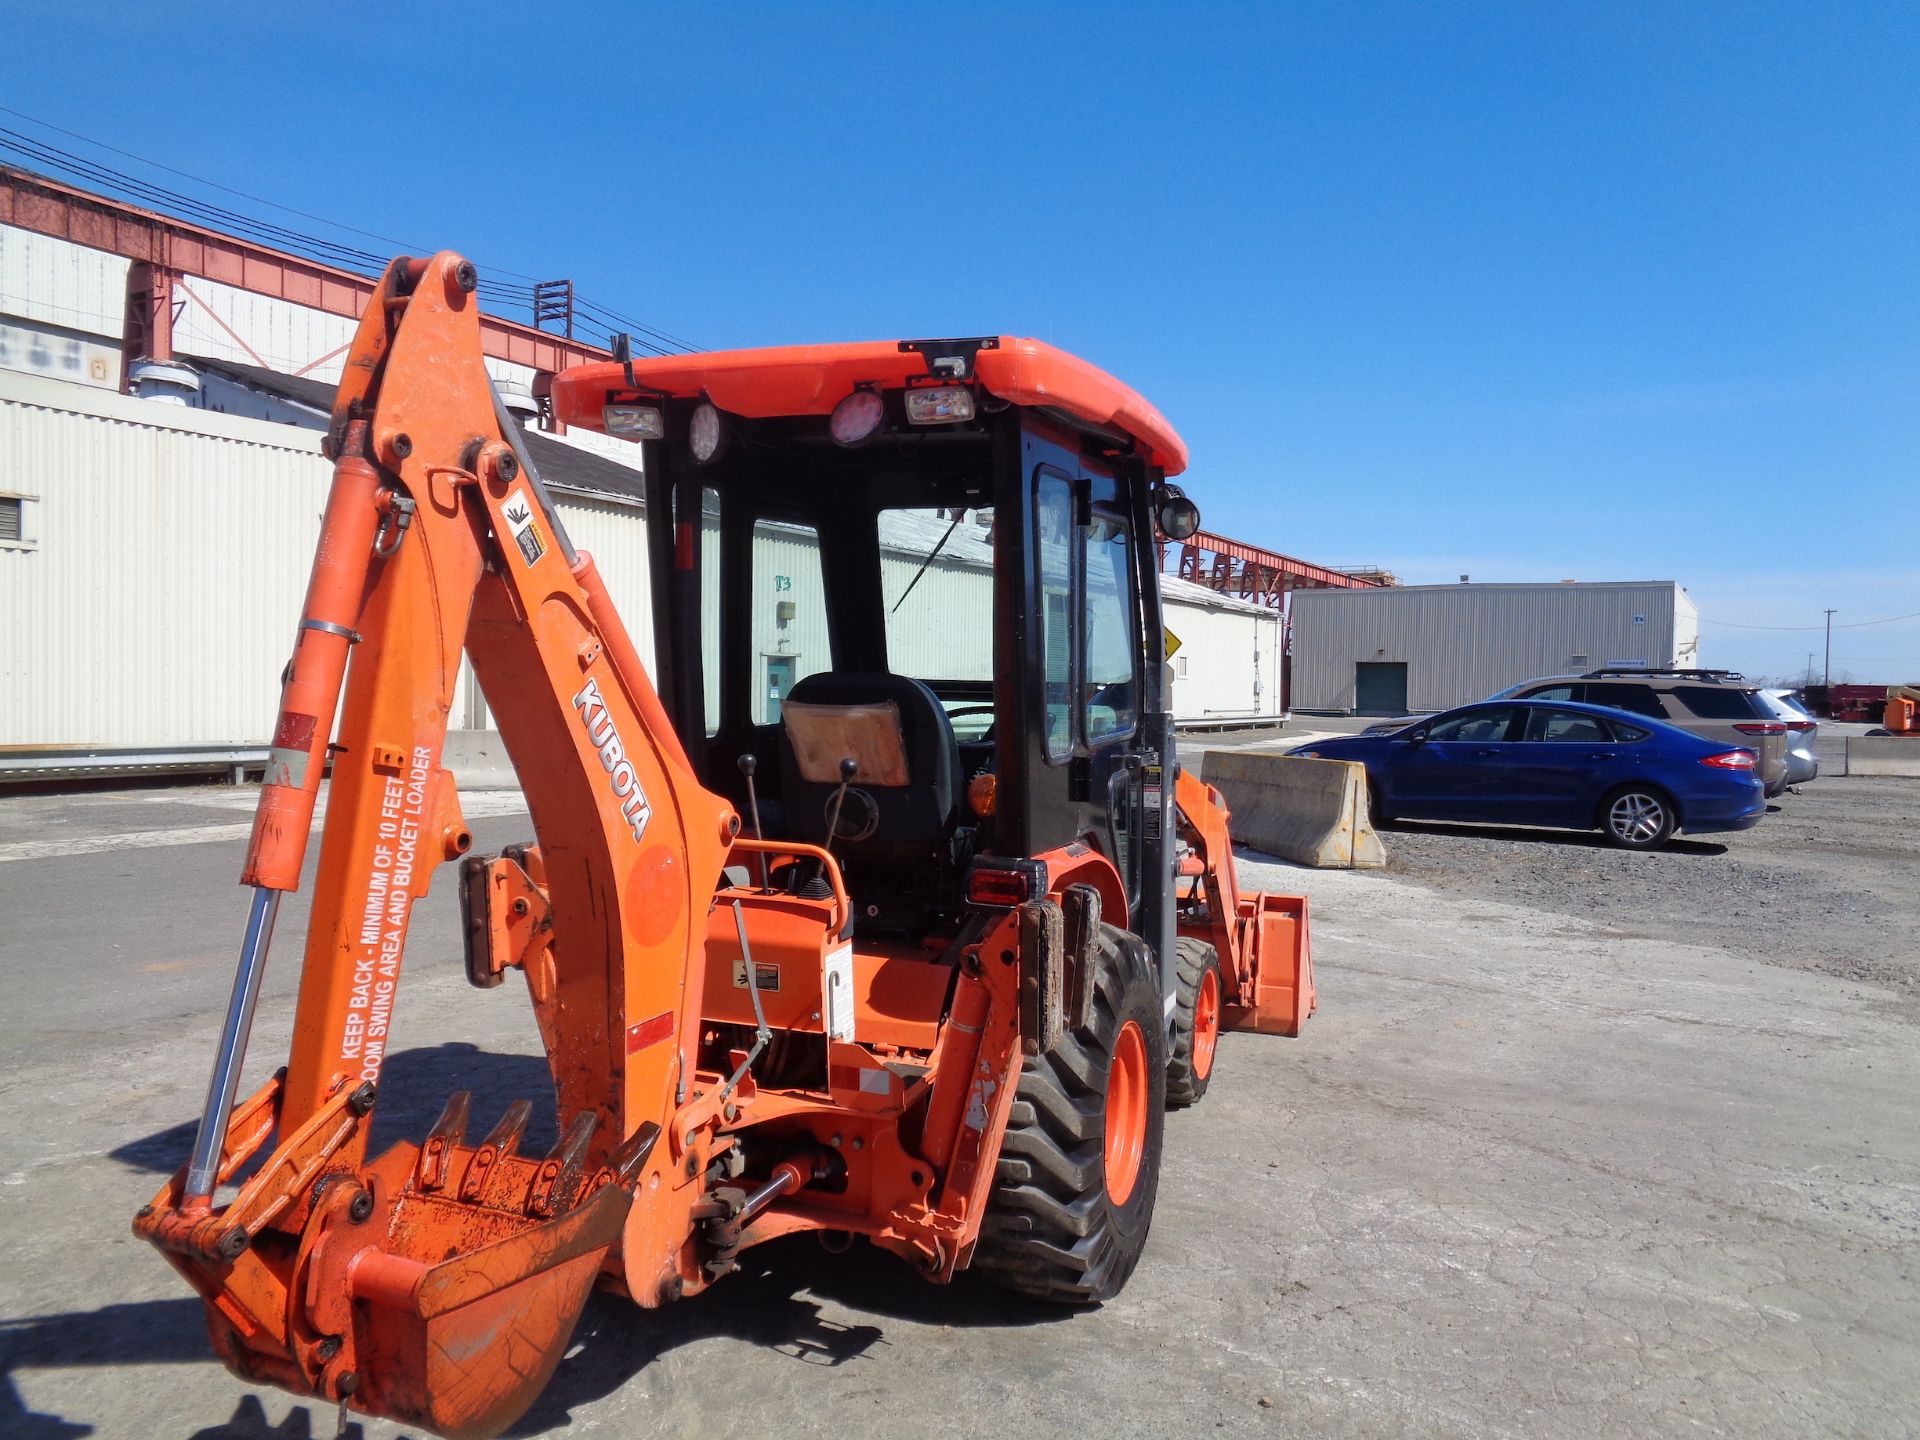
(878, 907)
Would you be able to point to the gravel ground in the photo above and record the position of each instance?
(1828, 877)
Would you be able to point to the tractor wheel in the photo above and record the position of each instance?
(1078, 1170)
(1196, 1021)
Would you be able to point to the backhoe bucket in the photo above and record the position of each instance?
(452, 1309)
(438, 1287)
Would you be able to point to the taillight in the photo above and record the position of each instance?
(1730, 760)
(1802, 727)
(1762, 727)
(1002, 884)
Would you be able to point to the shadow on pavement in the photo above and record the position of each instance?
(414, 1084)
(1522, 834)
(774, 1302)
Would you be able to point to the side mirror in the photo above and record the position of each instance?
(1417, 737)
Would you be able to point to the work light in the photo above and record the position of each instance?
(857, 417)
(706, 434)
(633, 422)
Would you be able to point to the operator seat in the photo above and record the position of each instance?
(894, 819)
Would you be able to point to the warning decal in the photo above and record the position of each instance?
(519, 512)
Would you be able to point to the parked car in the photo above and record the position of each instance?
(1714, 704)
(1802, 730)
(1569, 765)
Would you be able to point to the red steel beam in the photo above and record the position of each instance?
(33, 202)
(1235, 568)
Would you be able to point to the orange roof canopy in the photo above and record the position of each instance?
(812, 379)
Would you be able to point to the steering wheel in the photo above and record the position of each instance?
(960, 710)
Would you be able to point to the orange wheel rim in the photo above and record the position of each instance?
(1206, 1024)
(1126, 1112)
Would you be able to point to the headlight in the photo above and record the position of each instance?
(939, 405)
(633, 422)
(1304, 754)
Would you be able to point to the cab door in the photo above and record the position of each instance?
(1075, 637)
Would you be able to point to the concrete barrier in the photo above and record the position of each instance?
(1884, 755)
(479, 761)
(1310, 811)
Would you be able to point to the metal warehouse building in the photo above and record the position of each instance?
(1428, 647)
(153, 551)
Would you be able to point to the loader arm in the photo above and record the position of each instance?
(439, 1284)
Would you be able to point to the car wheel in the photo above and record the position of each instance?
(1635, 818)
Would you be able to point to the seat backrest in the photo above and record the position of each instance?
(892, 718)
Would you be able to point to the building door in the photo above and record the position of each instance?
(1380, 687)
(780, 670)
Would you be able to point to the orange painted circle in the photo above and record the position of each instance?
(655, 895)
(1126, 1141)
(1206, 1024)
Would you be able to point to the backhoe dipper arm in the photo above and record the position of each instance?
(439, 1300)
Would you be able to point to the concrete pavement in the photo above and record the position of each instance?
(1523, 1176)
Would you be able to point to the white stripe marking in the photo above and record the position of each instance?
(481, 806)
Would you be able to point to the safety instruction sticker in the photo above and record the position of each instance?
(765, 977)
(519, 511)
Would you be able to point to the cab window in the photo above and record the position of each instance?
(1054, 551)
(1110, 629)
(790, 639)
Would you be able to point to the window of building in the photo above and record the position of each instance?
(16, 520)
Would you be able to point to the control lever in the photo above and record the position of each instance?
(748, 764)
(849, 768)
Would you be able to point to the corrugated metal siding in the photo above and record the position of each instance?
(1463, 642)
(1228, 663)
(56, 281)
(174, 546)
(171, 549)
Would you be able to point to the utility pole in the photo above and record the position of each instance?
(1829, 665)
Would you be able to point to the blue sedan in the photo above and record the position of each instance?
(1577, 767)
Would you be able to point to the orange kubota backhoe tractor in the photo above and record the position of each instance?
(977, 930)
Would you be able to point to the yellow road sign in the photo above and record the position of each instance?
(1173, 642)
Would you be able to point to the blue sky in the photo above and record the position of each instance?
(1523, 292)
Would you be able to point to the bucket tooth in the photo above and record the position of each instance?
(558, 1180)
(501, 1141)
(448, 1132)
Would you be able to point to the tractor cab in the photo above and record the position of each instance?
(908, 590)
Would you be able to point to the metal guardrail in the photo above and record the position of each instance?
(26, 764)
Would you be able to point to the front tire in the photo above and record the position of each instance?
(1635, 817)
(1196, 1021)
(1079, 1166)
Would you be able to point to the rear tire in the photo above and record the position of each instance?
(1196, 1022)
(1079, 1166)
(1636, 817)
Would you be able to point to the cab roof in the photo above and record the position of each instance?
(812, 379)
